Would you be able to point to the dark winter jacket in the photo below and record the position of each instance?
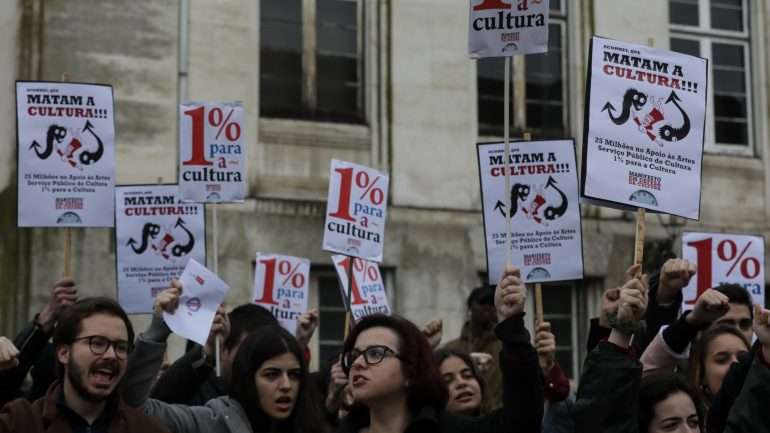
(522, 410)
(189, 381)
(36, 353)
(608, 395)
(50, 414)
(732, 385)
(749, 413)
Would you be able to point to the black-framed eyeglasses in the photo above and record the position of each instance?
(372, 355)
(99, 345)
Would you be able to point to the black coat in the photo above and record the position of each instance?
(189, 381)
(608, 396)
(522, 410)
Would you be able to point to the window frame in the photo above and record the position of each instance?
(706, 36)
(560, 17)
(309, 58)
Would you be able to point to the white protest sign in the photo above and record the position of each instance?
(724, 258)
(155, 236)
(281, 286)
(212, 154)
(66, 154)
(202, 293)
(368, 291)
(502, 28)
(643, 141)
(546, 240)
(355, 211)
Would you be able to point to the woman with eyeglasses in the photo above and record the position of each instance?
(269, 391)
(397, 386)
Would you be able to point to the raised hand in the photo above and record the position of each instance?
(674, 276)
(633, 301)
(433, 331)
(610, 302)
(306, 325)
(9, 354)
(510, 294)
(710, 306)
(545, 344)
(483, 361)
(220, 327)
(762, 328)
(168, 300)
(63, 294)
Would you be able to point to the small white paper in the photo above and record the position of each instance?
(202, 293)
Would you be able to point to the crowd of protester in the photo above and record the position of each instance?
(79, 367)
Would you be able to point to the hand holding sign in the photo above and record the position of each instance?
(510, 294)
(633, 301)
(220, 328)
(204, 292)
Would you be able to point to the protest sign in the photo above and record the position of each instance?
(724, 258)
(545, 214)
(368, 291)
(355, 211)
(212, 155)
(202, 293)
(66, 154)
(645, 119)
(281, 286)
(155, 236)
(501, 28)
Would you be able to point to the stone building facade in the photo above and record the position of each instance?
(384, 83)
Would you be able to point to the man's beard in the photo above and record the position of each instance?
(76, 378)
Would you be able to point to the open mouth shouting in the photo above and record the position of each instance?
(284, 404)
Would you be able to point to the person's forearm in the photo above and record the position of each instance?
(619, 339)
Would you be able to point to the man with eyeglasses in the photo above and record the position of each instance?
(92, 341)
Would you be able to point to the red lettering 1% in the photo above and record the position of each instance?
(216, 119)
(292, 277)
(371, 193)
(728, 252)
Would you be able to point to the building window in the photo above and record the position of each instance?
(541, 106)
(719, 31)
(311, 60)
(331, 320)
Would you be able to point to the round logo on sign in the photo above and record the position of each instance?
(642, 196)
(538, 273)
(194, 304)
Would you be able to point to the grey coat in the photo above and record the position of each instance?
(219, 415)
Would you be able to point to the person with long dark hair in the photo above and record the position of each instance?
(397, 386)
(463, 381)
(715, 351)
(268, 392)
